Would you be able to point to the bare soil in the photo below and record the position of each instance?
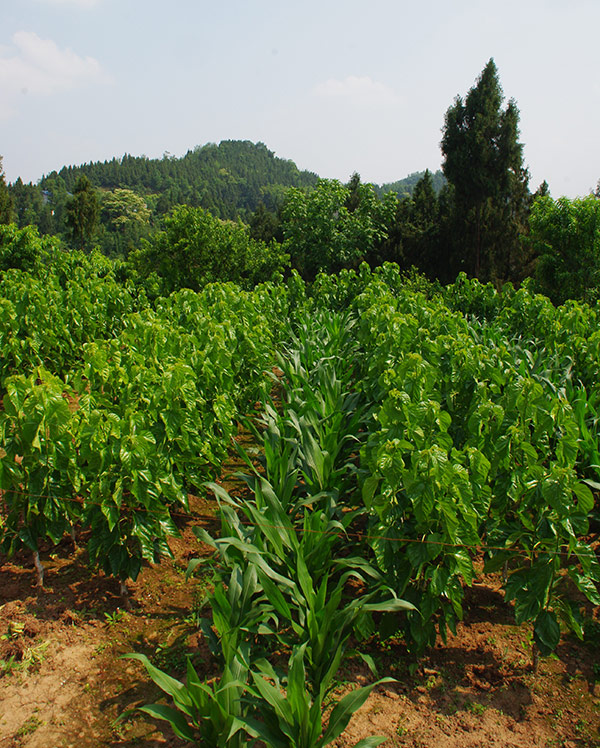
(63, 682)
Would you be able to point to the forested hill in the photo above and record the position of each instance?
(229, 179)
(405, 187)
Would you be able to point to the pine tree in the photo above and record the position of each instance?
(483, 160)
(6, 207)
(83, 212)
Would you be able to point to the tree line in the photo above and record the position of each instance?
(235, 211)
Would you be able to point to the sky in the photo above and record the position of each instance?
(337, 86)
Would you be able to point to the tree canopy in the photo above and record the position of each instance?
(565, 234)
(483, 160)
(195, 248)
(334, 226)
(5, 199)
(83, 212)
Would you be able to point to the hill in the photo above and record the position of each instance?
(232, 180)
(404, 187)
(229, 179)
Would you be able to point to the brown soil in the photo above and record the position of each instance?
(66, 684)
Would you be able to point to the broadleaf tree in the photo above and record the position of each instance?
(334, 226)
(565, 235)
(195, 248)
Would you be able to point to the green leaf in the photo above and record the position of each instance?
(297, 693)
(305, 580)
(554, 493)
(527, 607)
(418, 555)
(370, 662)
(369, 488)
(389, 606)
(344, 709)
(275, 596)
(585, 498)
(371, 742)
(586, 585)
(170, 686)
(273, 696)
(546, 631)
(177, 721)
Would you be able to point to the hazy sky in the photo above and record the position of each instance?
(336, 85)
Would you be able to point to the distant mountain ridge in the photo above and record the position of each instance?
(404, 187)
(234, 180)
(229, 179)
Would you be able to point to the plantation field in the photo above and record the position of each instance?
(307, 515)
(475, 690)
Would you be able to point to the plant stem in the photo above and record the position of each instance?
(125, 594)
(535, 657)
(39, 569)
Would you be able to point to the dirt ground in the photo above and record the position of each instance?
(63, 683)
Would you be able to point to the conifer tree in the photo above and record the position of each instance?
(83, 212)
(5, 199)
(483, 160)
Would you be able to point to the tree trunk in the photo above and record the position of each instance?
(478, 242)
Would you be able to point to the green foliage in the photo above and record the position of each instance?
(21, 248)
(405, 187)
(323, 235)
(39, 470)
(565, 235)
(292, 718)
(414, 234)
(82, 212)
(264, 225)
(78, 300)
(149, 398)
(481, 438)
(6, 203)
(229, 179)
(483, 162)
(195, 248)
(419, 424)
(205, 714)
(125, 219)
(282, 574)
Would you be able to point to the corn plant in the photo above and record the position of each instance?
(289, 716)
(208, 714)
(241, 612)
(315, 614)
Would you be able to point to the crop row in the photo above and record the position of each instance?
(482, 444)
(470, 428)
(282, 613)
(129, 421)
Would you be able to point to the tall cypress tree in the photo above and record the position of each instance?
(5, 199)
(83, 212)
(483, 160)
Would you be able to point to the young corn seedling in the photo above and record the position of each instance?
(206, 714)
(289, 716)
